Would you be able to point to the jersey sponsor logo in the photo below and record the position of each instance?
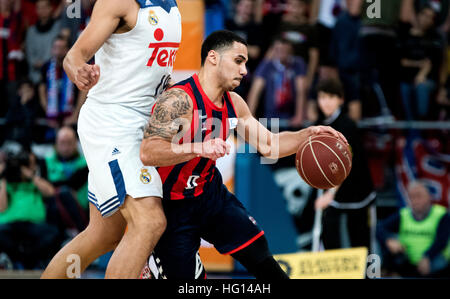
(192, 182)
(164, 53)
(145, 177)
(152, 18)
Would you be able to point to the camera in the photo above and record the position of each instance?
(14, 162)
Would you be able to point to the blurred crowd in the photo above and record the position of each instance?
(389, 55)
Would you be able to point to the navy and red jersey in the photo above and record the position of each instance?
(190, 179)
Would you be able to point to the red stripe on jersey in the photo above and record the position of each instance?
(206, 100)
(224, 120)
(245, 244)
(199, 189)
(164, 172)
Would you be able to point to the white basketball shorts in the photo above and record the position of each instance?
(110, 136)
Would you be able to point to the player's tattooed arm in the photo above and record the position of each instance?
(172, 114)
(170, 120)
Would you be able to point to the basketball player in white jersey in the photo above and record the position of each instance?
(135, 43)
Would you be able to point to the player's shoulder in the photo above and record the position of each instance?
(175, 97)
(239, 104)
(236, 98)
(117, 7)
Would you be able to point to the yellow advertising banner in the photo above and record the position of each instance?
(329, 264)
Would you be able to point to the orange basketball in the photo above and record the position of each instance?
(323, 161)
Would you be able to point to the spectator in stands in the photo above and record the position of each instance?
(39, 39)
(421, 53)
(269, 13)
(244, 25)
(442, 9)
(345, 49)
(380, 62)
(415, 240)
(57, 94)
(28, 9)
(443, 103)
(11, 37)
(24, 235)
(283, 79)
(355, 196)
(67, 171)
(296, 28)
(324, 14)
(21, 116)
(216, 12)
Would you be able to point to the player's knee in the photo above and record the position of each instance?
(151, 225)
(155, 226)
(108, 240)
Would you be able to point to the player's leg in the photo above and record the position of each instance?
(233, 231)
(145, 224)
(100, 236)
(258, 260)
(176, 254)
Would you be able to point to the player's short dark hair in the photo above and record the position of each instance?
(218, 40)
(331, 86)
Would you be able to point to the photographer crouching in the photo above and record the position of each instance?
(25, 237)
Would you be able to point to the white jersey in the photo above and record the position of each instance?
(135, 66)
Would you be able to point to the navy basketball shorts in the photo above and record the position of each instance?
(217, 216)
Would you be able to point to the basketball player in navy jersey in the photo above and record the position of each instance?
(135, 44)
(185, 136)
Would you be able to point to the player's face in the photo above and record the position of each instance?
(232, 65)
(328, 103)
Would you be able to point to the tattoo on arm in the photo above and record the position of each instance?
(172, 109)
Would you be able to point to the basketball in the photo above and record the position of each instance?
(323, 161)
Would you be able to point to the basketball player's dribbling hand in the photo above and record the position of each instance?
(214, 149)
(315, 130)
(87, 76)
